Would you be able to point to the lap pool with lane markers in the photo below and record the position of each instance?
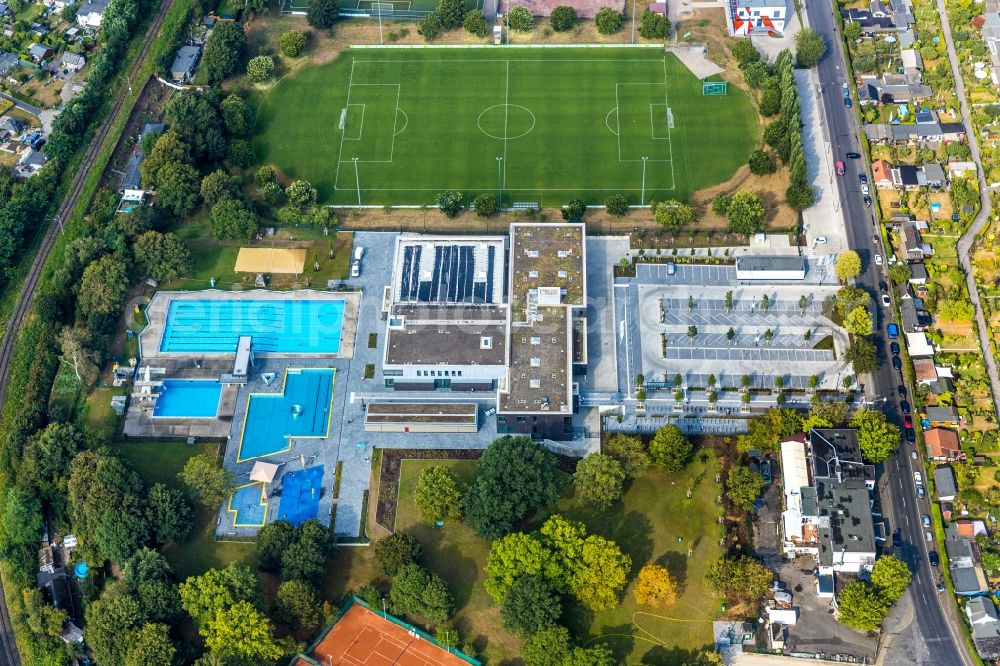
(301, 410)
(276, 326)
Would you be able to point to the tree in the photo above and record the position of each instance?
(563, 18)
(849, 298)
(107, 509)
(196, 120)
(720, 204)
(305, 558)
(877, 437)
(485, 205)
(102, 288)
(990, 562)
(416, 591)
(242, 633)
(531, 604)
(672, 214)
(616, 204)
(260, 68)
(68, 13)
(739, 578)
(852, 31)
(670, 448)
(654, 587)
(654, 26)
(237, 117)
(891, 576)
(630, 454)
(77, 347)
(292, 42)
(208, 482)
(21, 520)
(169, 148)
(810, 47)
(761, 163)
(551, 646)
(215, 186)
(223, 50)
(298, 607)
(148, 578)
(862, 356)
(217, 589)
(256, 7)
(163, 257)
(168, 513)
(322, 14)
(743, 486)
(755, 74)
(301, 193)
(859, 322)
(45, 462)
(149, 645)
(574, 211)
(475, 23)
(177, 186)
(519, 18)
(745, 52)
(608, 21)
(601, 573)
(861, 607)
(770, 102)
(396, 551)
(272, 541)
(438, 495)
(514, 556)
(746, 213)
(451, 13)
(450, 203)
(42, 619)
(514, 476)
(429, 26)
(899, 273)
(848, 266)
(599, 480)
(232, 219)
(108, 618)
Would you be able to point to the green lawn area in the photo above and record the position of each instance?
(160, 462)
(96, 414)
(646, 523)
(546, 125)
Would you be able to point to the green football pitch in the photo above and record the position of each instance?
(542, 126)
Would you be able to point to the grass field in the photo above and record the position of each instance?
(543, 125)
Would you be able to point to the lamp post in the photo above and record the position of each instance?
(499, 181)
(642, 197)
(357, 180)
(379, 5)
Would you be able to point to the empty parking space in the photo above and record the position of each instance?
(685, 275)
(754, 354)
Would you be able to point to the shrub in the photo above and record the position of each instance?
(608, 21)
(520, 19)
(450, 203)
(617, 205)
(429, 26)
(654, 26)
(475, 23)
(292, 42)
(563, 18)
(260, 69)
(761, 163)
(485, 205)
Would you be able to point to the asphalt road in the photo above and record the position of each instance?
(937, 624)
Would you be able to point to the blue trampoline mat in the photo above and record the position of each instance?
(300, 493)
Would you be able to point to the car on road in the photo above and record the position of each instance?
(901, 390)
(820, 240)
(892, 331)
(921, 493)
(840, 168)
(894, 348)
(864, 188)
(913, 455)
(847, 90)
(911, 438)
(868, 202)
(853, 156)
(863, 179)
(933, 558)
(904, 407)
(925, 520)
(848, 103)
(885, 301)
(897, 538)
(907, 422)
(878, 259)
(883, 287)
(896, 363)
(918, 478)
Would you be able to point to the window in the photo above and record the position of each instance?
(532, 253)
(459, 373)
(532, 274)
(563, 274)
(536, 362)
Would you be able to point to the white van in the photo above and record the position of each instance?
(358, 253)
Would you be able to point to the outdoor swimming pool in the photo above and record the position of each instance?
(276, 326)
(301, 410)
(249, 504)
(188, 398)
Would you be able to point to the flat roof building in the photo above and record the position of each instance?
(836, 456)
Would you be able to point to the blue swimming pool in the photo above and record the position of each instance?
(302, 409)
(188, 398)
(249, 504)
(276, 326)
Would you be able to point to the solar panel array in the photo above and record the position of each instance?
(452, 274)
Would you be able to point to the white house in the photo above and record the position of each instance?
(73, 61)
(91, 13)
(754, 17)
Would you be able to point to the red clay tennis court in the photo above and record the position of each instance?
(364, 638)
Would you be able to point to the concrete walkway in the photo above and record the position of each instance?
(985, 208)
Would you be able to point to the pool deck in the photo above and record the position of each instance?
(159, 306)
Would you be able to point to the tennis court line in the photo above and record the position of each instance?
(340, 155)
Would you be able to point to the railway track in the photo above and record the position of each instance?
(8, 647)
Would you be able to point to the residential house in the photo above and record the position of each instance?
(952, 132)
(932, 175)
(963, 561)
(900, 89)
(944, 483)
(31, 162)
(942, 444)
(750, 17)
(945, 416)
(916, 133)
(870, 25)
(4, 10)
(961, 169)
(8, 62)
(131, 187)
(906, 38)
(924, 370)
(918, 274)
(917, 345)
(11, 124)
(39, 52)
(185, 62)
(909, 238)
(912, 318)
(882, 175)
(940, 386)
(982, 616)
(91, 13)
(911, 61)
(991, 36)
(73, 62)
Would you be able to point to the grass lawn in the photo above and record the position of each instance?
(160, 462)
(96, 414)
(545, 125)
(646, 523)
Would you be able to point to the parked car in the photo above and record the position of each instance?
(355, 269)
(940, 586)
(840, 168)
(878, 259)
(885, 301)
(863, 179)
(913, 455)
(820, 240)
(933, 558)
(847, 90)
(907, 422)
(359, 252)
(896, 363)
(892, 331)
(918, 478)
(897, 538)
(868, 202)
(901, 390)
(911, 438)
(864, 188)
(925, 520)
(848, 103)
(883, 287)
(853, 156)
(894, 348)
(904, 407)
(671, 268)
(921, 493)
